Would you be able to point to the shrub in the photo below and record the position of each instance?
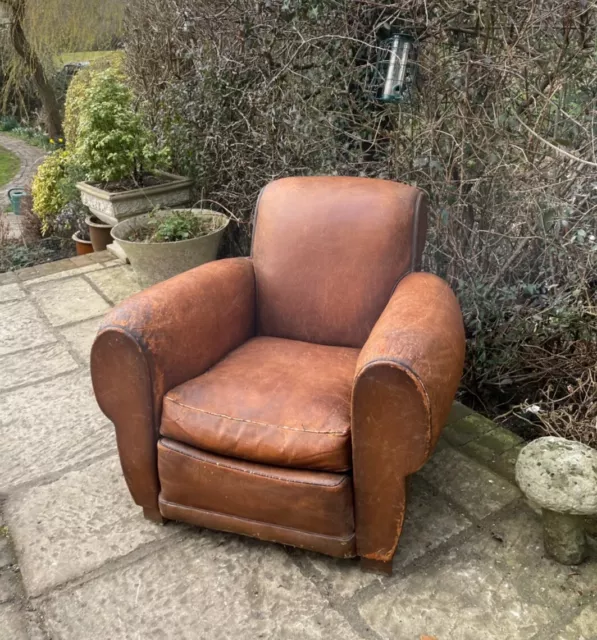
(72, 108)
(48, 188)
(76, 93)
(501, 136)
(111, 141)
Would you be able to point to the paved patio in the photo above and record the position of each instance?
(78, 561)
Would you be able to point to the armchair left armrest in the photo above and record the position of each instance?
(157, 339)
(407, 376)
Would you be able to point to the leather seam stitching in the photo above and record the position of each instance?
(269, 524)
(411, 268)
(253, 473)
(414, 257)
(262, 424)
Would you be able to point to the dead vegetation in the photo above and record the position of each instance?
(501, 135)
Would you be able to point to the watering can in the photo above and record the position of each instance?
(15, 196)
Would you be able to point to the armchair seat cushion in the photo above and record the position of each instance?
(273, 401)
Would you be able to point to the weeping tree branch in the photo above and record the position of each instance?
(34, 66)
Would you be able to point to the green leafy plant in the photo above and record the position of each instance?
(111, 141)
(48, 188)
(72, 107)
(76, 93)
(8, 123)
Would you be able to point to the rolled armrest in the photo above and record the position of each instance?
(157, 339)
(407, 376)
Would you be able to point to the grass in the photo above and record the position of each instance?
(9, 165)
(85, 56)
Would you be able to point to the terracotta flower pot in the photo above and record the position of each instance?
(99, 233)
(83, 246)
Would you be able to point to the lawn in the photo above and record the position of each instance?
(9, 165)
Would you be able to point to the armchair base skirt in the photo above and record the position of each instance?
(307, 509)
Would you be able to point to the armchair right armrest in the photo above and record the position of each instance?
(407, 376)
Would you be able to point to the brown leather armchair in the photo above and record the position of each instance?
(288, 395)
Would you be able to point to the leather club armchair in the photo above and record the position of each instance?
(288, 395)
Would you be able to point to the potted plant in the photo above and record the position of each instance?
(164, 243)
(71, 220)
(118, 155)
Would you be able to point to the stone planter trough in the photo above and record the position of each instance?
(112, 208)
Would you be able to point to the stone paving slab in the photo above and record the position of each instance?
(10, 584)
(458, 411)
(50, 426)
(429, 522)
(475, 488)
(22, 327)
(116, 283)
(80, 336)
(210, 585)
(69, 300)
(13, 625)
(28, 367)
(10, 292)
(67, 270)
(67, 528)
(8, 277)
(18, 622)
(583, 627)
(5, 552)
(463, 426)
(495, 586)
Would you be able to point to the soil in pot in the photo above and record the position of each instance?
(83, 246)
(163, 244)
(99, 233)
(175, 225)
(128, 184)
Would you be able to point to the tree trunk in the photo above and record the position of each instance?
(25, 51)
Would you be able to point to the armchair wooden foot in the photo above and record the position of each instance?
(154, 515)
(376, 566)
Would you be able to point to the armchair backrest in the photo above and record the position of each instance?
(329, 251)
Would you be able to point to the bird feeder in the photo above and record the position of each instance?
(396, 68)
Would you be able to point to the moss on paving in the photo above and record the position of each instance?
(9, 165)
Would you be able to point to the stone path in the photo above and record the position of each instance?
(30, 158)
(78, 561)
